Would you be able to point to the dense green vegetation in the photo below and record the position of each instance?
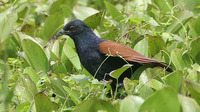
(41, 73)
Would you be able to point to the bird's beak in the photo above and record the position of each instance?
(60, 33)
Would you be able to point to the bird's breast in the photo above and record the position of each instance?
(90, 58)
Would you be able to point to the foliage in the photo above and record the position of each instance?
(39, 72)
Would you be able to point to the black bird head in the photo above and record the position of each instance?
(73, 28)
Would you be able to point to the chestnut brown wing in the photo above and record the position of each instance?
(118, 50)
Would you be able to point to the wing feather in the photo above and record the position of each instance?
(118, 50)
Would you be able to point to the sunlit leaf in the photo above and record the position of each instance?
(179, 59)
(144, 91)
(7, 23)
(150, 74)
(142, 47)
(33, 74)
(94, 105)
(94, 20)
(163, 5)
(52, 25)
(188, 4)
(116, 15)
(155, 84)
(23, 11)
(35, 55)
(193, 73)
(188, 104)
(163, 100)
(116, 73)
(135, 102)
(72, 55)
(26, 88)
(65, 5)
(181, 19)
(175, 80)
(130, 85)
(194, 89)
(82, 12)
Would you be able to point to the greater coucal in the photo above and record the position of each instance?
(93, 52)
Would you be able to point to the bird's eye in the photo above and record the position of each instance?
(72, 28)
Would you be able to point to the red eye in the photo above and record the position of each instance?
(72, 28)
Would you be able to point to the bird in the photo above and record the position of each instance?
(100, 57)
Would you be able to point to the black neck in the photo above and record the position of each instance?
(86, 40)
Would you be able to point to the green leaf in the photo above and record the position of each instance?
(194, 89)
(11, 47)
(163, 100)
(22, 11)
(196, 26)
(33, 74)
(144, 91)
(111, 35)
(155, 84)
(182, 17)
(82, 80)
(177, 59)
(52, 25)
(151, 73)
(142, 47)
(116, 73)
(58, 66)
(155, 45)
(65, 5)
(73, 95)
(130, 85)
(6, 93)
(94, 20)
(23, 107)
(188, 104)
(188, 4)
(163, 5)
(116, 15)
(94, 105)
(83, 12)
(131, 104)
(175, 80)
(65, 60)
(193, 73)
(195, 51)
(71, 54)
(135, 37)
(56, 47)
(149, 19)
(138, 72)
(42, 103)
(35, 55)
(58, 88)
(26, 89)
(28, 29)
(7, 23)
